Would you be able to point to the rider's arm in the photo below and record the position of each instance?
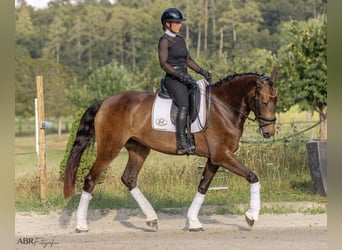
(163, 52)
(193, 65)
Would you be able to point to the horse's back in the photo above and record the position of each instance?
(128, 101)
(125, 110)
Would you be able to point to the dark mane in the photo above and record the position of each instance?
(236, 75)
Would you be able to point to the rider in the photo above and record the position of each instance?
(174, 58)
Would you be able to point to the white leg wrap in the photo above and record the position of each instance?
(82, 211)
(194, 210)
(144, 204)
(253, 212)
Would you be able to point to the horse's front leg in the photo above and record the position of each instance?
(229, 162)
(207, 176)
(252, 213)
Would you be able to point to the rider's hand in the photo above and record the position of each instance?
(184, 77)
(206, 75)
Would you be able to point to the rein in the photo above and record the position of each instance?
(208, 101)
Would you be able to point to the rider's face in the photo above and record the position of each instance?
(175, 26)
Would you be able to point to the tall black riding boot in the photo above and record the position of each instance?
(182, 145)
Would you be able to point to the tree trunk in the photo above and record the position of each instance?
(79, 55)
(57, 52)
(234, 34)
(90, 48)
(60, 126)
(324, 123)
(214, 21)
(221, 42)
(206, 19)
(133, 53)
(122, 56)
(199, 41)
(187, 30)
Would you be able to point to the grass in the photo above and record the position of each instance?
(170, 181)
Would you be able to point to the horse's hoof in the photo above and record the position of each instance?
(81, 230)
(153, 224)
(196, 229)
(249, 221)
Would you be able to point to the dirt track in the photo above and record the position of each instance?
(126, 229)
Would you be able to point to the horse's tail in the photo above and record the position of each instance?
(84, 136)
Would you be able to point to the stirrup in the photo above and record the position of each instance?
(188, 150)
(183, 148)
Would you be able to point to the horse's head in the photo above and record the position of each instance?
(263, 103)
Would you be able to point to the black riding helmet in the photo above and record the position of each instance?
(172, 15)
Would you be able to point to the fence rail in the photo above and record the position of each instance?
(26, 127)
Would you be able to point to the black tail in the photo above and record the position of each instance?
(85, 134)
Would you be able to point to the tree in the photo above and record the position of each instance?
(303, 68)
(57, 81)
(25, 33)
(87, 158)
(56, 38)
(241, 21)
(76, 36)
(105, 81)
(224, 36)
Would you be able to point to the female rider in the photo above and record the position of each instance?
(174, 58)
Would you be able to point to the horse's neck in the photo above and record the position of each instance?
(230, 101)
(234, 93)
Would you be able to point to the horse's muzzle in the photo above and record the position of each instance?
(267, 134)
(268, 130)
(266, 126)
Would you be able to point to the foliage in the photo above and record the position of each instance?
(105, 81)
(110, 79)
(303, 64)
(223, 36)
(87, 158)
(57, 81)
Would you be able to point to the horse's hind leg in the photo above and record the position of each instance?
(104, 157)
(137, 155)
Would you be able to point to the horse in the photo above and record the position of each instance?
(124, 120)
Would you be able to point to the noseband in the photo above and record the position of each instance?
(258, 117)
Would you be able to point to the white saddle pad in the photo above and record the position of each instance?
(161, 118)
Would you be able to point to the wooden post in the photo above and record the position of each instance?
(41, 139)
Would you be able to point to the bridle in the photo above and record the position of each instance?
(258, 117)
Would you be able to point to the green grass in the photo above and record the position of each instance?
(170, 181)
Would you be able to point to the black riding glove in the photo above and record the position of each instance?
(184, 77)
(205, 74)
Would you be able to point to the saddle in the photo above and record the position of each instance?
(164, 110)
(194, 101)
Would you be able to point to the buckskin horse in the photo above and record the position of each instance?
(124, 120)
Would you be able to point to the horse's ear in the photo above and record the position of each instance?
(274, 75)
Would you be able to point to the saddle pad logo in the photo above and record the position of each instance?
(161, 122)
